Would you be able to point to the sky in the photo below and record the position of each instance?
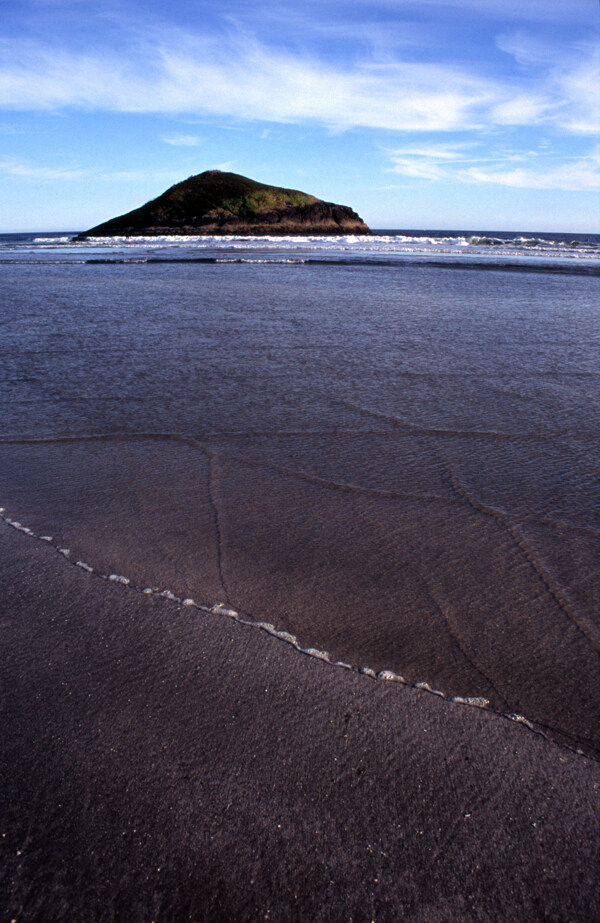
(424, 114)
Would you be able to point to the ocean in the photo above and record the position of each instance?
(383, 450)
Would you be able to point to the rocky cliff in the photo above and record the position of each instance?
(226, 203)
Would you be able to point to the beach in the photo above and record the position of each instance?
(300, 582)
(159, 764)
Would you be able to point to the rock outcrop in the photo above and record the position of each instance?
(216, 203)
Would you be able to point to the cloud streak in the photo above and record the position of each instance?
(449, 164)
(178, 140)
(247, 80)
(569, 90)
(28, 171)
(240, 77)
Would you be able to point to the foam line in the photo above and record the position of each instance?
(220, 608)
(116, 578)
(389, 675)
(476, 701)
(428, 688)
(314, 652)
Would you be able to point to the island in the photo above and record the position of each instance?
(218, 203)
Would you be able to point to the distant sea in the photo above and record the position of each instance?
(529, 250)
(360, 441)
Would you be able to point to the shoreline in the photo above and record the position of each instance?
(160, 763)
(220, 609)
(185, 539)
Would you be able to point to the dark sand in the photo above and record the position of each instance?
(474, 603)
(162, 764)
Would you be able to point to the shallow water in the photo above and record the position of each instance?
(395, 461)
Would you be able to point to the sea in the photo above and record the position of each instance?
(384, 449)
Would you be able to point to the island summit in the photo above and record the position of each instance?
(216, 203)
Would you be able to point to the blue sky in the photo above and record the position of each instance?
(472, 114)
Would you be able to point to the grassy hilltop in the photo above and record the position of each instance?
(215, 193)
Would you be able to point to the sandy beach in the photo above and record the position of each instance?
(392, 464)
(163, 764)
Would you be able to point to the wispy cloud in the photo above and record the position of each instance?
(566, 93)
(248, 80)
(183, 140)
(233, 74)
(29, 171)
(582, 175)
(36, 172)
(429, 162)
(524, 109)
(579, 86)
(519, 170)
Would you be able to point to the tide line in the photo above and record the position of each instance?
(219, 608)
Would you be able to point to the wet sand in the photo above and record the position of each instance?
(397, 465)
(442, 579)
(159, 763)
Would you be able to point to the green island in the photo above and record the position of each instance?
(219, 203)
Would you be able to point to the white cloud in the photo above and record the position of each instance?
(27, 171)
(35, 172)
(567, 83)
(435, 151)
(579, 86)
(236, 76)
(581, 175)
(183, 140)
(532, 170)
(224, 166)
(523, 110)
(247, 80)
